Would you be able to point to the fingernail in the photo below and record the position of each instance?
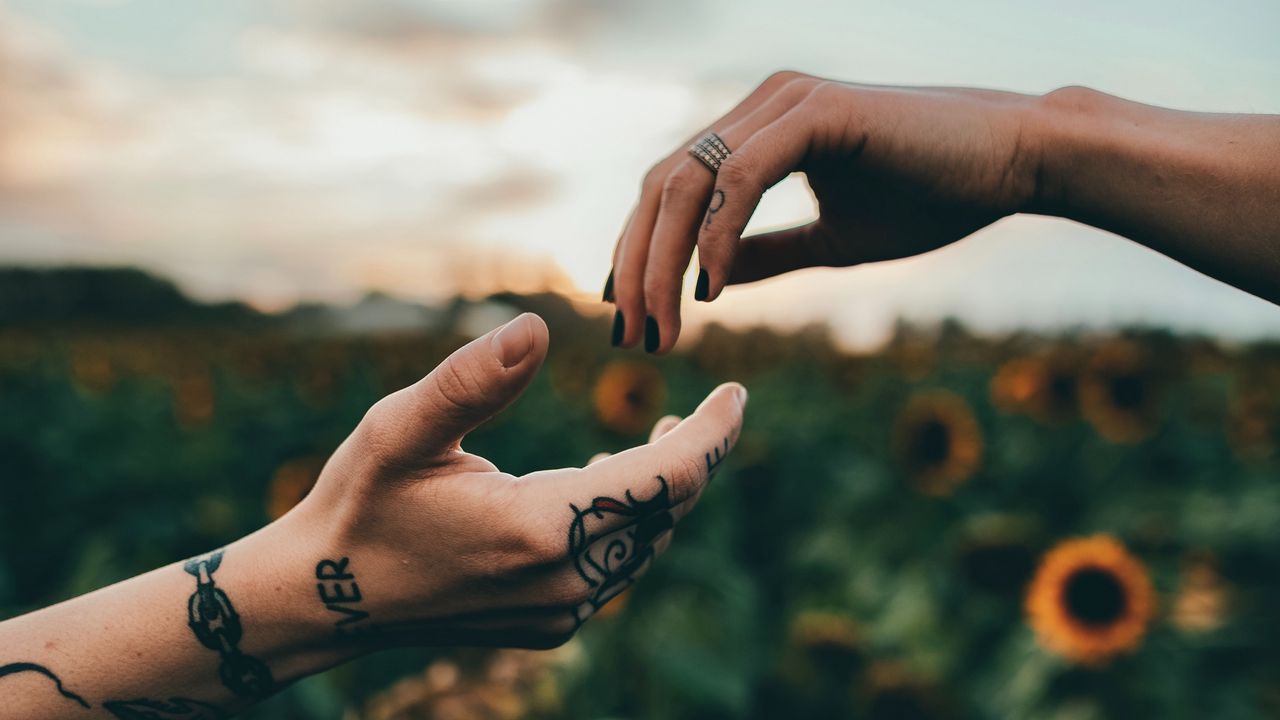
(651, 337)
(608, 288)
(700, 292)
(512, 343)
(619, 328)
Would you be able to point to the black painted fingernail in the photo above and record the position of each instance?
(608, 288)
(651, 337)
(619, 328)
(700, 292)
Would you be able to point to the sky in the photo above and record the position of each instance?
(287, 150)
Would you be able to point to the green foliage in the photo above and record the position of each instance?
(814, 580)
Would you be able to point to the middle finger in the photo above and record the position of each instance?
(683, 203)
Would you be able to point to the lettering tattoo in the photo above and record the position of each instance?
(717, 202)
(30, 667)
(715, 457)
(337, 588)
(173, 709)
(609, 557)
(216, 625)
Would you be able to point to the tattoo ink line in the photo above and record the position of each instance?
(216, 625)
(610, 569)
(24, 667)
(717, 202)
(174, 709)
(713, 464)
(340, 594)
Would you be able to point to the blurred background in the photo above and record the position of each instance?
(1034, 474)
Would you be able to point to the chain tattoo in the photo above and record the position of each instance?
(216, 625)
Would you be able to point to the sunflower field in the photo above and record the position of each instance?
(1082, 526)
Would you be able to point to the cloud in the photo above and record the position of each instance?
(49, 108)
(293, 178)
(316, 148)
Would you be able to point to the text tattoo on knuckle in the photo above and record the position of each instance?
(216, 625)
(717, 202)
(337, 589)
(715, 457)
(30, 667)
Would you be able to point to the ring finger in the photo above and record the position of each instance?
(625, 284)
(684, 201)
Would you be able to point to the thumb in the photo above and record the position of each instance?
(765, 255)
(476, 382)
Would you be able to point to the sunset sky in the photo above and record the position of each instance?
(290, 150)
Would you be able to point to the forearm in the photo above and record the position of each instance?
(201, 638)
(1203, 189)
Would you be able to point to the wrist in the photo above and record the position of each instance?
(271, 577)
(1065, 129)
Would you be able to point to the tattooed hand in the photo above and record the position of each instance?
(406, 539)
(426, 543)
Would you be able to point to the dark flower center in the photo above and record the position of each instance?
(1127, 392)
(1094, 597)
(931, 444)
(1062, 391)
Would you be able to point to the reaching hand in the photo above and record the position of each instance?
(445, 548)
(896, 172)
(405, 540)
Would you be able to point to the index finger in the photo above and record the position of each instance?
(764, 159)
(625, 285)
(680, 463)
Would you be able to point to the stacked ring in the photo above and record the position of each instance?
(711, 151)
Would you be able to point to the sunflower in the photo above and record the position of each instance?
(628, 396)
(912, 353)
(500, 685)
(317, 377)
(1043, 387)
(92, 366)
(1119, 392)
(291, 482)
(571, 370)
(193, 396)
(937, 441)
(1201, 603)
(895, 693)
(828, 642)
(1252, 425)
(1090, 600)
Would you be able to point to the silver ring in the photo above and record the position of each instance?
(711, 151)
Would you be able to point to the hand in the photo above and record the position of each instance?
(896, 172)
(425, 543)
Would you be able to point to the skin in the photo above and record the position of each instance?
(901, 171)
(443, 546)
